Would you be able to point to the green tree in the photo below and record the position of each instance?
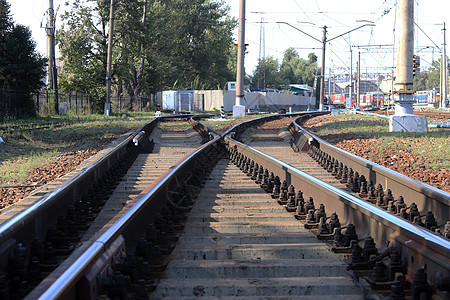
(269, 69)
(83, 47)
(21, 67)
(298, 70)
(434, 75)
(157, 45)
(195, 40)
(421, 81)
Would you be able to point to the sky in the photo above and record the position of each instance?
(375, 43)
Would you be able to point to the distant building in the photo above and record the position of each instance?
(301, 89)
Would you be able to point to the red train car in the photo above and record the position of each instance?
(338, 100)
(365, 100)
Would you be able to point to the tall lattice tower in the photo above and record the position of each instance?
(262, 56)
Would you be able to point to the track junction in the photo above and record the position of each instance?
(183, 212)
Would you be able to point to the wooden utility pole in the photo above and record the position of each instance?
(109, 59)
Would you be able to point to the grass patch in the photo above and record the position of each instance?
(27, 149)
(218, 125)
(433, 145)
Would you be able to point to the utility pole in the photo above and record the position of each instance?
(358, 80)
(239, 107)
(52, 77)
(322, 73)
(329, 83)
(444, 74)
(262, 56)
(404, 118)
(348, 102)
(107, 111)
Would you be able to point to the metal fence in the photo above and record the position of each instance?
(72, 103)
(12, 103)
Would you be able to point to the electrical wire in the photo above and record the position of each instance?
(301, 8)
(428, 36)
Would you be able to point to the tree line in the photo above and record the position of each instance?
(431, 79)
(21, 66)
(158, 45)
(293, 69)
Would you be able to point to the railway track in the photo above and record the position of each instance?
(429, 114)
(237, 240)
(431, 203)
(30, 126)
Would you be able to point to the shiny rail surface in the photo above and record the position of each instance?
(20, 231)
(425, 197)
(99, 261)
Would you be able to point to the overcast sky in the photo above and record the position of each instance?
(309, 16)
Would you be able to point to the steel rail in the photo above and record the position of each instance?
(419, 246)
(373, 221)
(240, 127)
(10, 227)
(33, 221)
(144, 206)
(426, 197)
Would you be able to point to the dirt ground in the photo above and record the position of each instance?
(65, 163)
(358, 145)
(402, 161)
